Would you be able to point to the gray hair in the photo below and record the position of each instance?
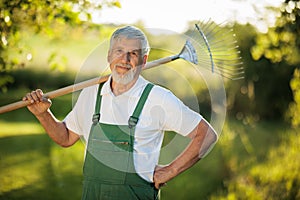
(131, 32)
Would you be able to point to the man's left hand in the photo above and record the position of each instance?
(162, 174)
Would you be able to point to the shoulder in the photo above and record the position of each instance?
(160, 91)
(88, 93)
(162, 95)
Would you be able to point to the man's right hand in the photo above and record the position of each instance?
(38, 104)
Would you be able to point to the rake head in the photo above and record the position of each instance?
(217, 49)
(189, 53)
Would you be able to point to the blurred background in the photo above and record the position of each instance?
(51, 44)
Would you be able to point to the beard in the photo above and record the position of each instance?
(124, 79)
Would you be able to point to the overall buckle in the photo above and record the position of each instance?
(132, 122)
(96, 118)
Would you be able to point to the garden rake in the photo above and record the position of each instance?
(217, 49)
(208, 46)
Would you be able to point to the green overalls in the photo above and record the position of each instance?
(108, 171)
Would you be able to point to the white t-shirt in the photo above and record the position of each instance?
(163, 111)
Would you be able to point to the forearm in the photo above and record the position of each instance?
(185, 160)
(198, 147)
(56, 130)
(203, 136)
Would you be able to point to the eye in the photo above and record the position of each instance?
(134, 54)
(118, 52)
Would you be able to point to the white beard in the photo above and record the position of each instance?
(123, 79)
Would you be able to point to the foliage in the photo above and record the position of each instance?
(294, 110)
(268, 170)
(281, 43)
(265, 93)
(49, 17)
(281, 46)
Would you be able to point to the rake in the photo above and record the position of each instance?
(205, 47)
(217, 49)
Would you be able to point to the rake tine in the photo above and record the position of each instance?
(226, 75)
(227, 60)
(240, 69)
(212, 22)
(223, 40)
(230, 71)
(206, 27)
(229, 66)
(218, 33)
(221, 50)
(216, 54)
(222, 45)
(215, 33)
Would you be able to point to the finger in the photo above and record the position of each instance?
(39, 94)
(156, 185)
(35, 97)
(28, 97)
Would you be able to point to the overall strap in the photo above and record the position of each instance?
(133, 120)
(96, 116)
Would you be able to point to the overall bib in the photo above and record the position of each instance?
(108, 171)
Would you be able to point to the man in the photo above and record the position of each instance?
(123, 121)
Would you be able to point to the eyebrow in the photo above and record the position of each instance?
(134, 50)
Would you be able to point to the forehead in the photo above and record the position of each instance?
(126, 43)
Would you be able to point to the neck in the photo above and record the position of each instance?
(119, 89)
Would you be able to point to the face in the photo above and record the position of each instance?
(126, 60)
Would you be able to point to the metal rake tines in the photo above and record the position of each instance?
(217, 49)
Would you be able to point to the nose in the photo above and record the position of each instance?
(126, 56)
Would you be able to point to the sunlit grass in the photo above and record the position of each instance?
(19, 128)
(32, 166)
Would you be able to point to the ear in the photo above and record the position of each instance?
(145, 58)
(144, 61)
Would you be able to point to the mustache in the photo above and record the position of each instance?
(128, 66)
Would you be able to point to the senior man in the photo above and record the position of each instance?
(123, 121)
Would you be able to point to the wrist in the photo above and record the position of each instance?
(43, 115)
(172, 170)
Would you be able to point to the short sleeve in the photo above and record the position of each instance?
(177, 116)
(79, 119)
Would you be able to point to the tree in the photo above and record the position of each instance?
(40, 17)
(280, 46)
(294, 110)
(282, 43)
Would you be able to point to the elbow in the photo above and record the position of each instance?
(208, 142)
(63, 145)
(211, 137)
(214, 136)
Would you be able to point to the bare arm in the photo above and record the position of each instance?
(57, 130)
(202, 137)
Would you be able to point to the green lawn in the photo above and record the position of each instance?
(258, 161)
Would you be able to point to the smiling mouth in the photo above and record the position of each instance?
(123, 67)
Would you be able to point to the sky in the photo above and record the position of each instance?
(173, 15)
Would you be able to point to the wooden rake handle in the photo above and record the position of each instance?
(79, 86)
